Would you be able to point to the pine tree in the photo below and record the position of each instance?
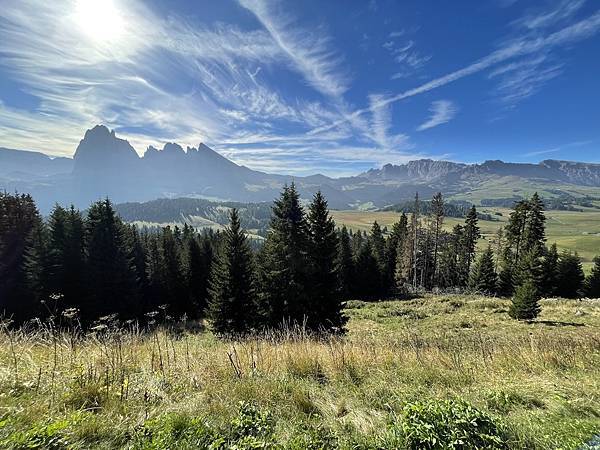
(437, 210)
(394, 252)
(534, 234)
(232, 301)
(19, 220)
(110, 275)
(472, 234)
(175, 295)
(326, 306)
(592, 283)
(483, 275)
(570, 275)
(550, 272)
(525, 304)
(200, 258)
(367, 270)
(284, 264)
(378, 247)
(345, 265)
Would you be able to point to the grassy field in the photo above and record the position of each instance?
(571, 230)
(403, 366)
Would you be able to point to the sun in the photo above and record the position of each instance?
(99, 19)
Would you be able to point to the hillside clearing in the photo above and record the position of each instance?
(538, 381)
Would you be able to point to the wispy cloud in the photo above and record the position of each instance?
(442, 111)
(309, 52)
(557, 148)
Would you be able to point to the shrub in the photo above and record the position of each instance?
(525, 304)
(449, 424)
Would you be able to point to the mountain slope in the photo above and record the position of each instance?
(105, 165)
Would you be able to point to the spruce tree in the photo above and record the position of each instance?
(483, 275)
(592, 283)
(471, 235)
(200, 256)
(534, 234)
(325, 303)
(284, 264)
(525, 301)
(550, 273)
(525, 304)
(378, 247)
(345, 265)
(437, 210)
(110, 274)
(232, 301)
(394, 244)
(367, 270)
(19, 220)
(570, 275)
(175, 294)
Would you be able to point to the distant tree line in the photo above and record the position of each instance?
(96, 266)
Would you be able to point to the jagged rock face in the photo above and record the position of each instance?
(105, 165)
(586, 174)
(101, 151)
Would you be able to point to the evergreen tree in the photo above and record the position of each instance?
(394, 252)
(534, 234)
(437, 210)
(483, 275)
(326, 306)
(200, 258)
(378, 247)
(550, 272)
(110, 276)
(345, 265)
(367, 270)
(232, 302)
(175, 289)
(471, 235)
(592, 283)
(284, 263)
(19, 220)
(570, 275)
(525, 303)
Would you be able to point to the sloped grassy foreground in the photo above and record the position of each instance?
(433, 372)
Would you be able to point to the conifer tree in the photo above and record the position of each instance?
(534, 234)
(483, 275)
(232, 301)
(394, 252)
(325, 302)
(592, 283)
(472, 234)
(437, 210)
(19, 220)
(378, 247)
(570, 275)
(345, 265)
(525, 302)
(110, 275)
(175, 288)
(200, 256)
(284, 268)
(367, 270)
(550, 273)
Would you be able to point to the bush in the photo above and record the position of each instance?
(450, 425)
(525, 304)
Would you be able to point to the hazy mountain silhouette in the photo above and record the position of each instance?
(105, 165)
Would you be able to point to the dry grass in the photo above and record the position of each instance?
(540, 380)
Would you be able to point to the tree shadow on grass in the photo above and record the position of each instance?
(558, 323)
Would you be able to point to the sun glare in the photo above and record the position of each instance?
(99, 19)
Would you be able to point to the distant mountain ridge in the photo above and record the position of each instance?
(106, 165)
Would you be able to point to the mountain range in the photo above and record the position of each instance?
(106, 165)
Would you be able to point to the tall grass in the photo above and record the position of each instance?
(538, 382)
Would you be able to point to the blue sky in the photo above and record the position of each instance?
(335, 87)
